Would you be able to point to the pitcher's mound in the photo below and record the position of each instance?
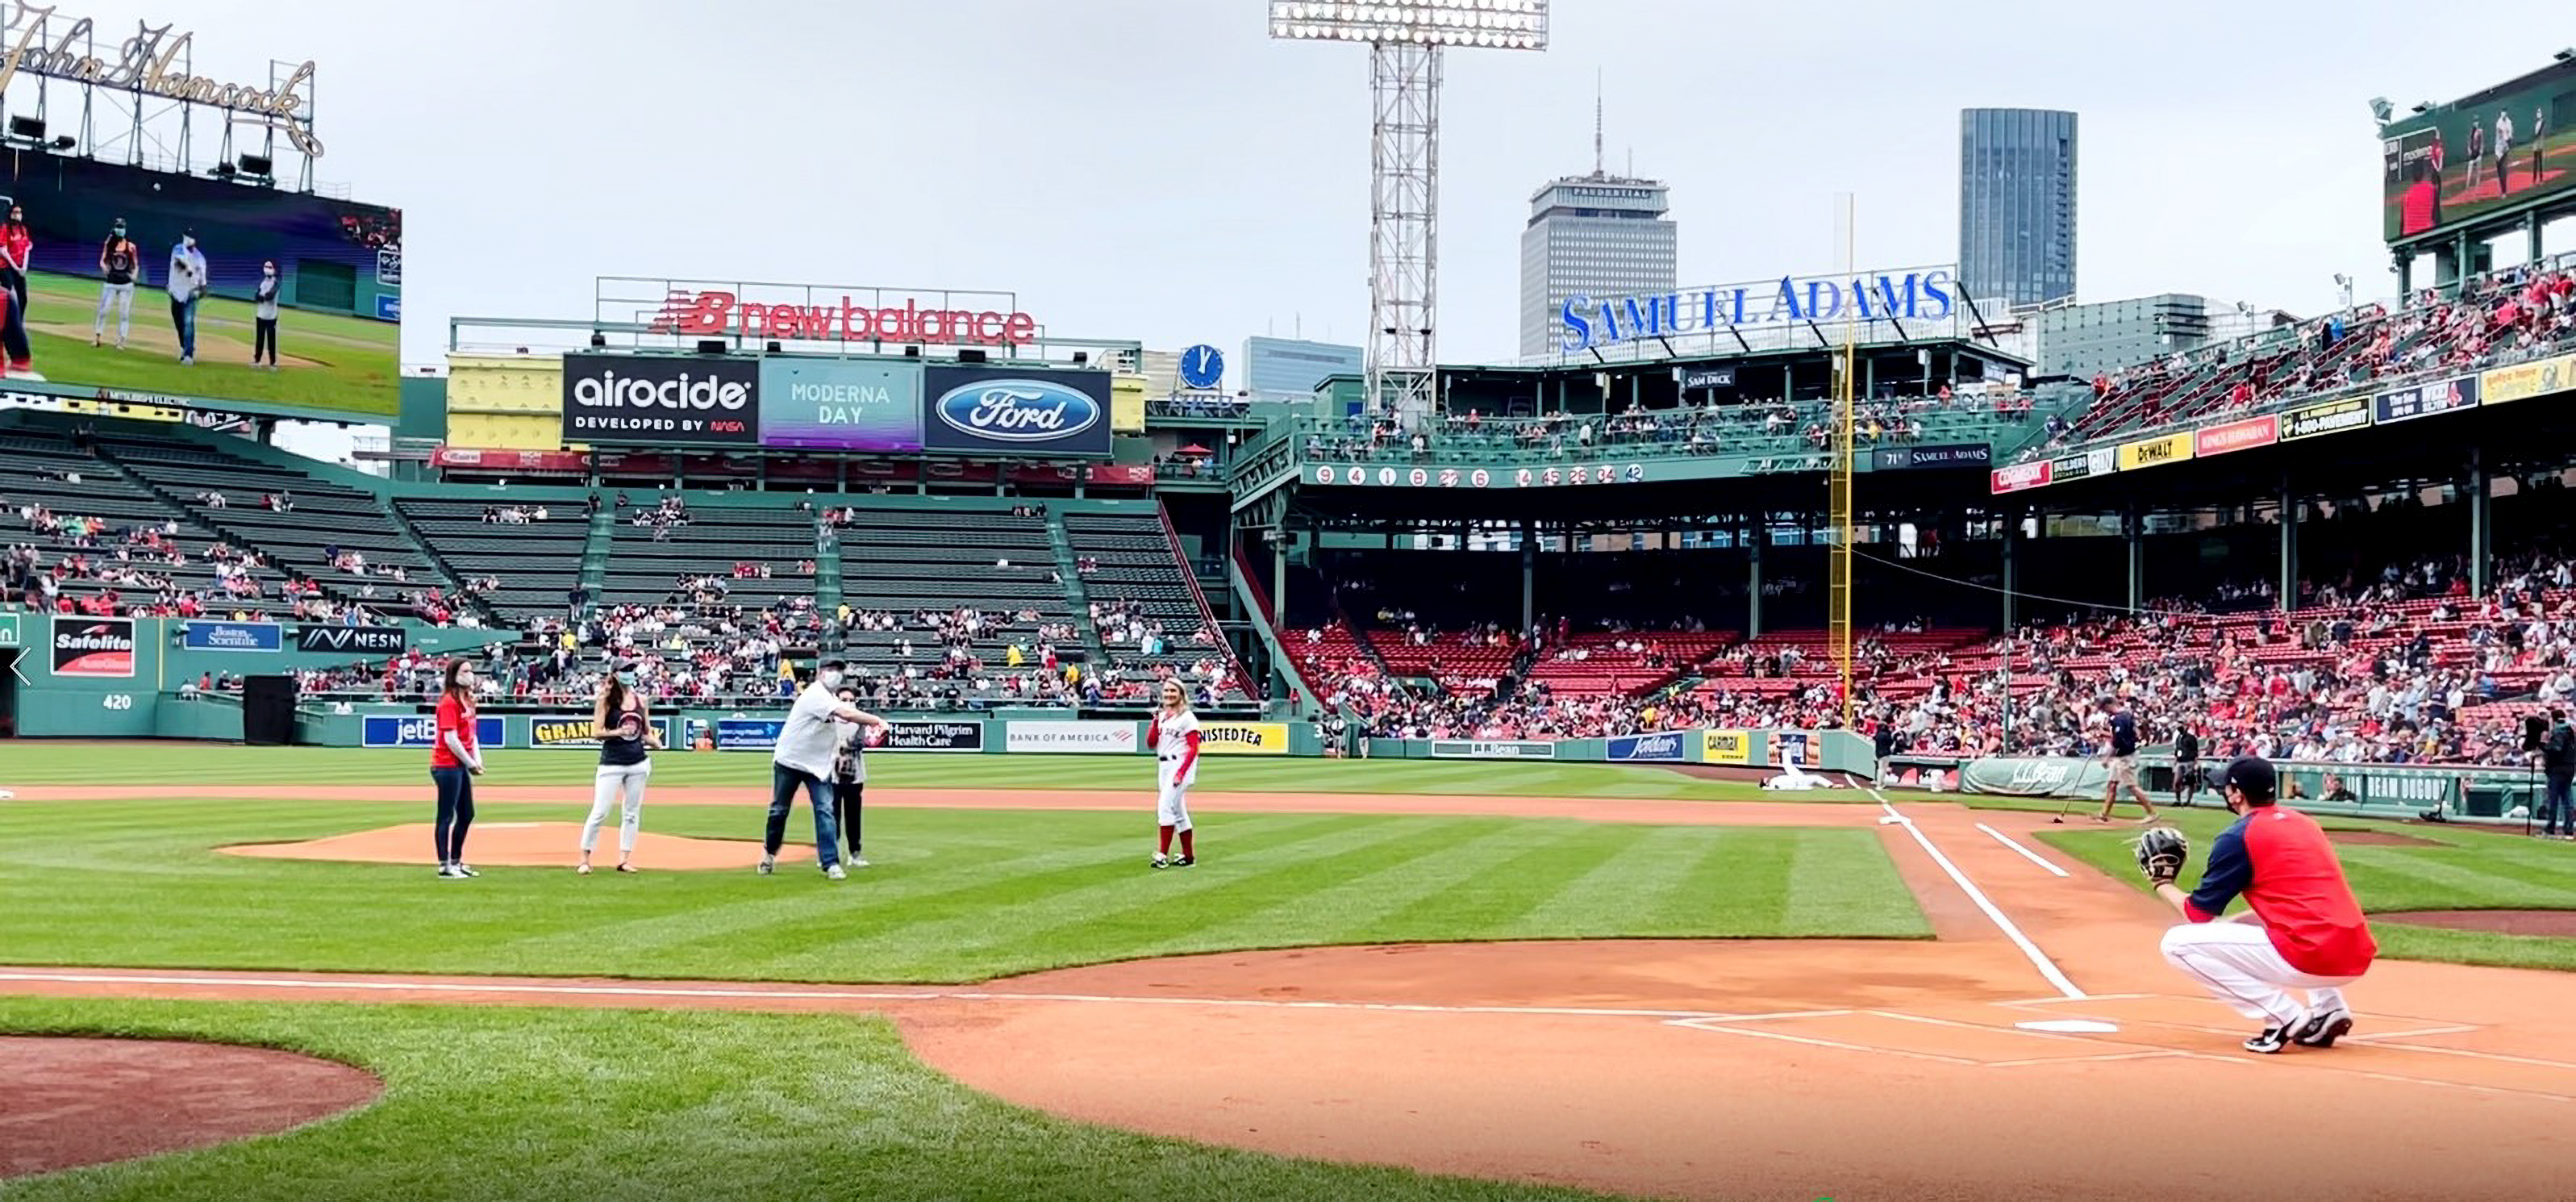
(72, 1102)
(533, 844)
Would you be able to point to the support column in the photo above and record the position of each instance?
(2289, 586)
(2134, 527)
(1759, 533)
(1279, 576)
(2011, 575)
(2531, 225)
(2481, 526)
(1529, 575)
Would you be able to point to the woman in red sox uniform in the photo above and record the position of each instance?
(1173, 737)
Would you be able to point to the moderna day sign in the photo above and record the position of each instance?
(1924, 294)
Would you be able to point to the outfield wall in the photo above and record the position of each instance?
(84, 677)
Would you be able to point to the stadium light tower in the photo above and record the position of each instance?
(1405, 42)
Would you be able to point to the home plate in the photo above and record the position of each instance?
(2075, 1025)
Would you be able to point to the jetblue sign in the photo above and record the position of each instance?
(1918, 294)
(1033, 413)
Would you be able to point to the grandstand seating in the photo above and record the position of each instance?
(908, 562)
(1138, 564)
(1599, 667)
(538, 563)
(321, 516)
(2493, 319)
(646, 563)
(36, 469)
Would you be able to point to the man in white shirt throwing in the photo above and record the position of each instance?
(187, 284)
(807, 745)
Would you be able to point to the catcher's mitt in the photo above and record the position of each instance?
(2160, 854)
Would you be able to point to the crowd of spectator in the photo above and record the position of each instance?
(2406, 665)
(1705, 429)
(2504, 316)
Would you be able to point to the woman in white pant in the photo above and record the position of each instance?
(623, 724)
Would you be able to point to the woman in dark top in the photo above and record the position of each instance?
(623, 724)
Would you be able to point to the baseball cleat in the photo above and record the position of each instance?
(1162, 861)
(835, 873)
(2322, 1030)
(1184, 861)
(768, 864)
(2271, 1041)
(448, 872)
(465, 869)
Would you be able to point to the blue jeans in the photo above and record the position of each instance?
(183, 318)
(783, 782)
(455, 812)
(2555, 812)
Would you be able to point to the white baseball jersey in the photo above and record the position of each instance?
(1176, 749)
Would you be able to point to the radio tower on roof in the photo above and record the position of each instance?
(1596, 123)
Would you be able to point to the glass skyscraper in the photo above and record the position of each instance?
(2017, 204)
(1599, 236)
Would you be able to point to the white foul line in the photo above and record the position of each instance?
(2038, 959)
(2026, 853)
(847, 995)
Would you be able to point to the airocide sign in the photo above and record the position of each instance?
(660, 398)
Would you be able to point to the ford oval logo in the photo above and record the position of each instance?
(1017, 410)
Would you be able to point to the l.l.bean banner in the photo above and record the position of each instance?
(1243, 738)
(1726, 747)
(2522, 381)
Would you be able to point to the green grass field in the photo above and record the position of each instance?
(504, 1103)
(212, 764)
(325, 360)
(493, 1104)
(952, 896)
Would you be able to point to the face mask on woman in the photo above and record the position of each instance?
(627, 679)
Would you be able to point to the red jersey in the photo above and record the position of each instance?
(2281, 862)
(456, 717)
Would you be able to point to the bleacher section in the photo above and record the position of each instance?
(644, 569)
(1139, 565)
(36, 469)
(910, 562)
(538, 563)
(322, 516)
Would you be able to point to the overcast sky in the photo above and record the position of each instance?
(1161, 170)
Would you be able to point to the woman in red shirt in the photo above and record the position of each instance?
(454, 762)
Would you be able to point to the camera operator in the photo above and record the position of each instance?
(2557, 768)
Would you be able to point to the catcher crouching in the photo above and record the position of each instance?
(2305, 932)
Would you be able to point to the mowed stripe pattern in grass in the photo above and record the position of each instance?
(505, 1104)
(953, 896)
(146, 762)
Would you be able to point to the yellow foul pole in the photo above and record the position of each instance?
(1839, 589)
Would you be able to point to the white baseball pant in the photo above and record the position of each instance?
(616, 783)
(1172, 806)
(121, 297)
(2237, 963)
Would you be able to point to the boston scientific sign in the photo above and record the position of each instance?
(1924, 293)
